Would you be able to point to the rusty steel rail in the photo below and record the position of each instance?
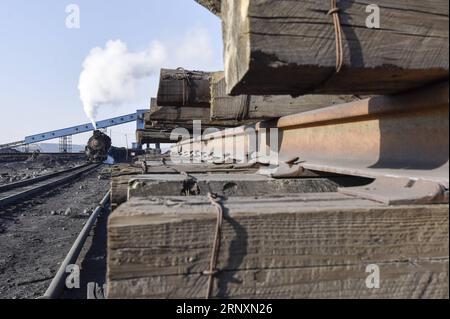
(31, 181)
(57, 285)
(11, 193)
(404, 136)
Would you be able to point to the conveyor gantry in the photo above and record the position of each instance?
(79, 129)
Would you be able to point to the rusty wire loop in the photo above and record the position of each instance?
(334, 12)
(244, 108)
(212, 271)
(186, 83)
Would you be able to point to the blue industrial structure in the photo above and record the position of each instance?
(137, 117)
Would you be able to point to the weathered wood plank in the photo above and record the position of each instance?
(184, 88)
(224, 185)
(401, 280)
(309, 245)
(124, 174)
(124, 169)
(176, 114)
(184, 116)
(163, 126)
(120, 174)
(188, 125)
(153, 136)
(179, 114)
(288, 47)
(226, 107)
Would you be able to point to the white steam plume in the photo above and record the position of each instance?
(110, 75)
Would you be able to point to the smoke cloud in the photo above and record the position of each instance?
(111, 75)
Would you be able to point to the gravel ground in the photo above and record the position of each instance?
(43, 164)
(36, 235)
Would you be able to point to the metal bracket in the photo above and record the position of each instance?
(400, 191)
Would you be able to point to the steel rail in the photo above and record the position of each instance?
(57, 285)
(12, 193)
(40, 153)
(7, 187)
(28, 154)
(400, 136)
(21, 157)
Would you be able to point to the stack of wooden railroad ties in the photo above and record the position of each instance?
(320, 169)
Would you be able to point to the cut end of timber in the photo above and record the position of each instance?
(288, 48)
(236, 34)
(182, 87)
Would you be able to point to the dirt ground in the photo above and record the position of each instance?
(41, 165)
(36, 235)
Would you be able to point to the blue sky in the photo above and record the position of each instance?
(41, 59)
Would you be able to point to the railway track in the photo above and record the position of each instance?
(57, 285)
(14, 192)
(18, 157)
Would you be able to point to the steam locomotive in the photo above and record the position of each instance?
(99, 148)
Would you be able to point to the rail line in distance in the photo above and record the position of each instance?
(14, 192)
